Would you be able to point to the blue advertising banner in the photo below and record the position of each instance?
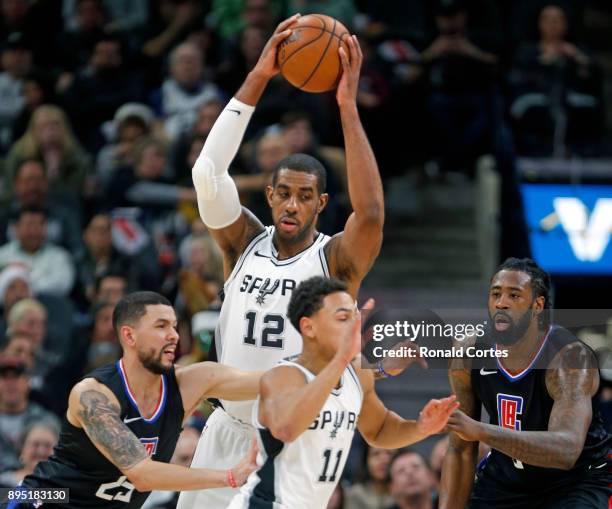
(570, 227)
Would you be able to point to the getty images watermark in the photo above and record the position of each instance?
(437, 336)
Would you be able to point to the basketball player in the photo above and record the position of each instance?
(310, 405)
(263, 265)
(124, 419)
(549, 447)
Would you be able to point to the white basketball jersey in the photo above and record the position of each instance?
(254, 333)
(303, 474)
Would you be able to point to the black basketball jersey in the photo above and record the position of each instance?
(94, 482)
(521, 401)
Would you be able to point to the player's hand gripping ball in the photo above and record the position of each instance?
(308, 58)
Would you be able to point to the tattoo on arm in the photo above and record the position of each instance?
(101, 420)
(571, 386)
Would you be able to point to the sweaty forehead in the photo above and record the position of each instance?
(297, 179)
(513, 278)
(159, 312)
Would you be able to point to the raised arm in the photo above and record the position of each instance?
(459, 465)
(380, 427)
(288, 404)
(571, 380)
(231, 225)
(352, 252)
(213, 380)
(93, 407)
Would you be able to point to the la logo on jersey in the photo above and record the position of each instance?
(508, 409)
(150, 445)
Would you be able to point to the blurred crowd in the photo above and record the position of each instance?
(106, 104)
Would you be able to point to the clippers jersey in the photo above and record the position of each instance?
(303, 474)
(521, 401)
(254, 332)
(76, 463)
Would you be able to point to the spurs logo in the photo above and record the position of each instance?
(266, 289)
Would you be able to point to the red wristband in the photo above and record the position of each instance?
(230, 479)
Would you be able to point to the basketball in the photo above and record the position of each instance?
(309, 58)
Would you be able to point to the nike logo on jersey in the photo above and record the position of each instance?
(237, 112)
(257, 253)
(127, 421)
(484, 372)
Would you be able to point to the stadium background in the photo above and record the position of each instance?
(491, 124)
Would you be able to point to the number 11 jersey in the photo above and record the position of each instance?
(303, 474)
(254, 332)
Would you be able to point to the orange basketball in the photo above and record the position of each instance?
(309, 58)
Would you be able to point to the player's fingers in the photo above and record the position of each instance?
(288, 22)
(369, 305)
(343, 58)
(358, 48)
(280, 37)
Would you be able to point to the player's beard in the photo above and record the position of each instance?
(301, 234)
(514, 332)
(153, 362)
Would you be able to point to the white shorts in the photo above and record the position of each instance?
(223, 443)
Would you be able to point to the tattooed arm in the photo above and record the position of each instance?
(93, 407)
(459, 464)
(571, 380)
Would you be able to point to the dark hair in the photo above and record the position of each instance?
(304, 163)
(133, 306)
(540, 282)
(308, 297)
(28, 160)
(32, 209)
(403, 452)
(114, 272)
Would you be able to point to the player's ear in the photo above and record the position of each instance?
(269, 192)
(306, 327)
(323, 199)
(127, 333)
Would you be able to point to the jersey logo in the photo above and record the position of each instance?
(265, 290)
(150, 445)
(508, 409)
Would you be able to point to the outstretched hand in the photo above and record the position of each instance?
(351, 67)
(267, 65)
(434, 416)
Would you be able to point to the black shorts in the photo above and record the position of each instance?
(593, 492)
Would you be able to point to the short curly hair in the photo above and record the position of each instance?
(308, 297)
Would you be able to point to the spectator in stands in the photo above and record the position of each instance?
(39, 441)
(118, 15)
(232, 16)
(82, 31)
(110, 287)
(437, 457)
(49, 138)
(99, 258)
(206, 115)
(372, 489)
(462, 83)
(37, 90)
(131, 124)
(21, 347)
(184, 90)
(14, 286)
(99, 89)
(241, 55)
(104, 346)
(412, 481)
(31, 188)
(16, 60)
(51, 267)
(556, 88)
(29, 317)
(17, 412)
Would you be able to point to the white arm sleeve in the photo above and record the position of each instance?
(218, 200)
